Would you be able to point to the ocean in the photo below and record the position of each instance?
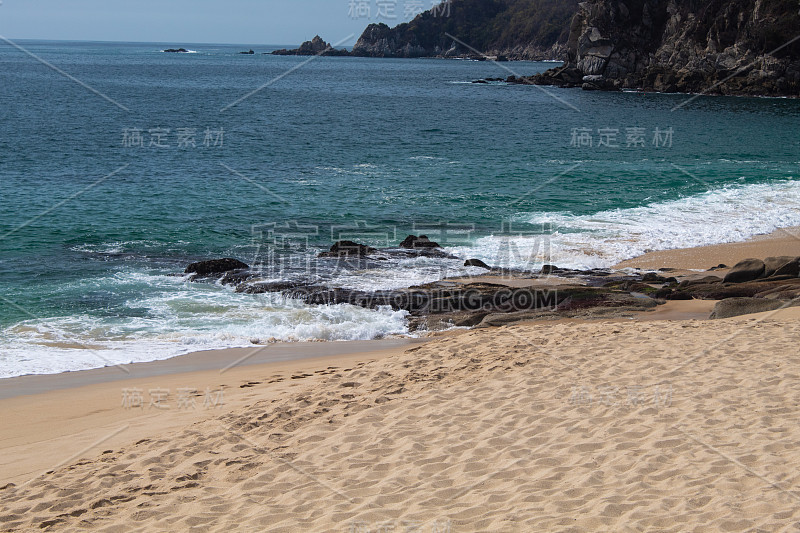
(120, 164)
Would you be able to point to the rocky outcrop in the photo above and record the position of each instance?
(734, 47)
(315, 47)
(379, 40)
(581, 293)
(775, 287)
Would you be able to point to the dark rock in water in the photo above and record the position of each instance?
(412, 241)
(565, 76)
(476, 263)
(261, 287)
(479, 81)
(549, 269)
(236, 277)
(348, 249)
(215, 266)
(784, 265)
(248, 53)
(744, 306)
(176, 50)
(746, 270)
(718, 267)
(314, 46)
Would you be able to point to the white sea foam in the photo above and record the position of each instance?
(177, 318)
(730, 214)
(169, 316)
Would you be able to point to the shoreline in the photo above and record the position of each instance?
(221, 360)
(684, 263)
(320, 407)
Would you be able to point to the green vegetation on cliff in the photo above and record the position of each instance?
(486, 25)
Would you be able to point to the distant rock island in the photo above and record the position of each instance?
(176, 50)
(314, 47)
(743, 47)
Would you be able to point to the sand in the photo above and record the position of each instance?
(655, 424)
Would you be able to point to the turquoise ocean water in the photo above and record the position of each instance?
(112, 181)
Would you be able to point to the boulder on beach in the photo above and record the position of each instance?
(784, 265)
(412, 241)
(476, 263)
(215, 266)
(675, 295)
(730, 307)
(348, 249)
(745, 270)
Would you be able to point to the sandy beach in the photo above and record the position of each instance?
(665, 422)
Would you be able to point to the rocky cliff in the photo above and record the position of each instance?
(713, 46)
(516, 29)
